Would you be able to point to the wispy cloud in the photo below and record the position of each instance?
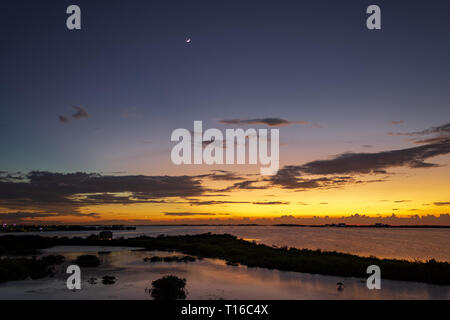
(21, 216)
(245, 185)
(183, 214)
(441, 134)
(79, 113)
(63, 119)
(438, 129)
(195, 202)
(446, 203)
(270, 202)
(293, 176)
(272, 122)
(223, 175)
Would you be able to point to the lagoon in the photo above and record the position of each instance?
(206, 279)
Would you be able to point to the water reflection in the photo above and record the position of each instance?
(206, 279)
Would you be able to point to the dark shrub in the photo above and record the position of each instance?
(169, 259)
(53, 259)
(109, 280)
(168, 288)
(186, 259)
(87, 260)
(22, 268)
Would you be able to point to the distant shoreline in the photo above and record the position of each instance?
(53, 228)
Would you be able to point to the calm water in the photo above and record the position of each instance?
(206, 279)
(406, 243)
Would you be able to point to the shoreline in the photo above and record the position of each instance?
(11, 229)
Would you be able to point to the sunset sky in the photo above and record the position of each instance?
(364, 115)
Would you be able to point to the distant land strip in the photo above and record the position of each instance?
(51, 228)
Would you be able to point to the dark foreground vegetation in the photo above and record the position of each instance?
(87, 260)
(170, 259)
(237, 251)
(168, 288)
(51, 228)
(22, 268)
(109, 280)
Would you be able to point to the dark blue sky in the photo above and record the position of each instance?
(131, 69)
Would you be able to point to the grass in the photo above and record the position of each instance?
(238, 251)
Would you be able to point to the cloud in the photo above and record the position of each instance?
(439, 129)
(80, 112)
(377, 162)
(111, 198)
(442, 203)
(223, 175)
(289, 178)
(246, 185)
(11, 177)
(442, 134)
(65, 194)
(436, 139)
(397, 122)
(292, 177)
(272, 122)
(63, 119)
(192, 214)
(20, 216)
(270, 203)
(195, 202)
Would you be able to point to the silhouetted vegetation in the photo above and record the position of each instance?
(168, 288)
(238, 251)
(87, 260)
(92, 281)
(109, 280)
(19, 245)
(23, 268)
(50, 228)
(170, 259)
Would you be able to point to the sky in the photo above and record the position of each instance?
(87, 114)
